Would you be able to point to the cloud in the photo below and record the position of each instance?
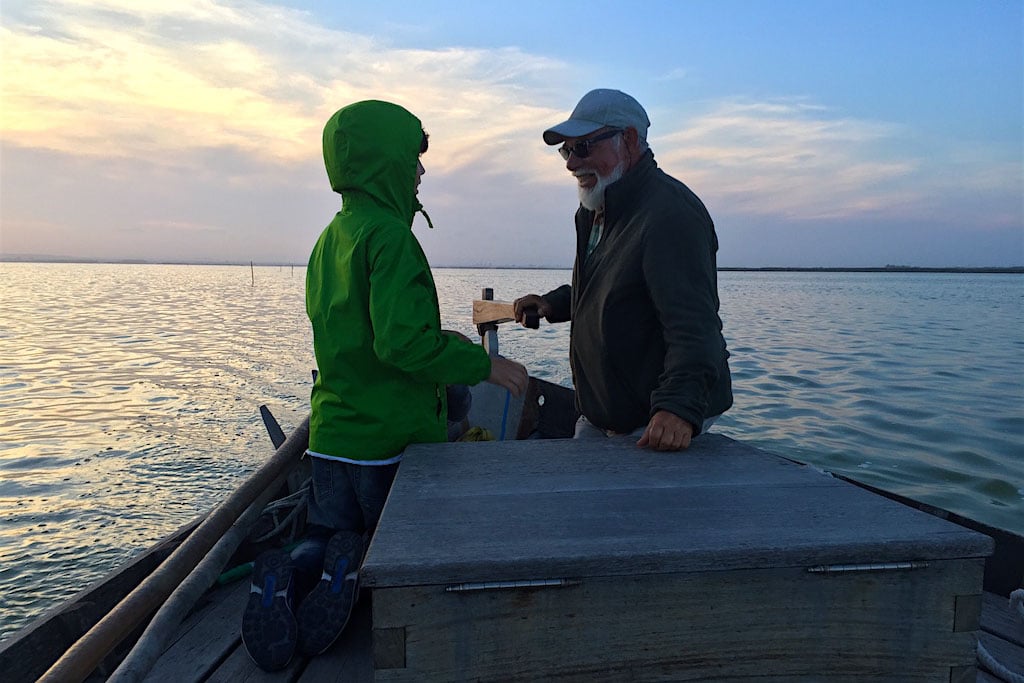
(203, 119)
(791, 158)
(159, 80)
(799, 160)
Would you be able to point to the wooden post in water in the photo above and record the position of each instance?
(252, 271)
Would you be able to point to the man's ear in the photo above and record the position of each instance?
(632, 139)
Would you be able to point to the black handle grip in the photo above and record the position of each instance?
(532, 317)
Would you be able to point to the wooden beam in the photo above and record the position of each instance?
(493, 312)
(496, 312)
(84, 655)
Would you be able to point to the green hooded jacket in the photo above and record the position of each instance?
(382, 359)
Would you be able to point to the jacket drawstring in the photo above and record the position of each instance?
(424, 212)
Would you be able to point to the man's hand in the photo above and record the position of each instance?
(666, 432)
(530, 301)
(509, 374)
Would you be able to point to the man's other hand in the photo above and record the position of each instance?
(666, 432)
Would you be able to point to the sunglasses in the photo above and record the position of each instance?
(581, 149)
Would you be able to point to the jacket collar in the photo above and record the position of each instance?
(622, 192)
(625, 189)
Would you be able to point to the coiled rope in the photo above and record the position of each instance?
(292, 522)
(989, 662)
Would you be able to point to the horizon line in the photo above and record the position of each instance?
(888, 268)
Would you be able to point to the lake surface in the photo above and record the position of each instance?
(129, 394)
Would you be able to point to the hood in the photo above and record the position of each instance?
(372, 147)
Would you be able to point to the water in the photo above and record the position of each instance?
(129, 393)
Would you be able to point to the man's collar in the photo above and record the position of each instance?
(634, 176)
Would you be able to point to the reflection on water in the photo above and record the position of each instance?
(129, 393)
(909, 382)
(128, 400)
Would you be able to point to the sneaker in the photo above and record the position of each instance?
(269, 630)
(324, 613)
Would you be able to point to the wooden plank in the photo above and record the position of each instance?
(1002, 635)
(768, 624)
(350, 659)
(546, 465)
(968, 612)
(35, 648)
(140, 604)
(549, 411)
(1004, 571)
(493, 312)
(389, 648)
(1006, 653)
(997, 619)
(963, 674)
(548, 509)
(205, 638)
(239, 667)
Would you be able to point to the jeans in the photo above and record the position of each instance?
(349, 497)
(459, 402)
(345, 497)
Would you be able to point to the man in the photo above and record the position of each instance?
(383, 363)
(646, 349)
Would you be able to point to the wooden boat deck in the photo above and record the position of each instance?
(1002, 633)
(209, 648)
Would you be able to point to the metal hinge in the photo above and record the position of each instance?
(868, 567)
(499, 585)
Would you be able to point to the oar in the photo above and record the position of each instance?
(85, 655)
(277, 436)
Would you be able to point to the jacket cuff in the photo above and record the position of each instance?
(560, 301)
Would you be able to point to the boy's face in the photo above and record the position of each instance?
(419, 175)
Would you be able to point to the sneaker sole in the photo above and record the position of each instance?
(324, 613)
(269, 629)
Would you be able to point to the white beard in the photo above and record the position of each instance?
(592, 198)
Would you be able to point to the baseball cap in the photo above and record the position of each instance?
(597, 109)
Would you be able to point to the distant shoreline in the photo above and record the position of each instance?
(882, 269)
(723, 269)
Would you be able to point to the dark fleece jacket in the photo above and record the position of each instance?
(646, 335)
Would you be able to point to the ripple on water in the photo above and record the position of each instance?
(134, 426)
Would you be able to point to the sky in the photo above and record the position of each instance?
(828, 133)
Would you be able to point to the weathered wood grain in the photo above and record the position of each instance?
(549, 411)
(30, 653)
(350, 659)
(567, 508)
(239, 668)
(493, 312)
(205, 638)
(967, 615)
(1006, 653)
(768, 624)
(997, 619)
